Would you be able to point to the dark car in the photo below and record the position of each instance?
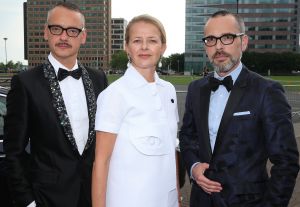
(5, 199)
(3, 93)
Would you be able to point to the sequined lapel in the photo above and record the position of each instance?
(58, 103)
(91, 105)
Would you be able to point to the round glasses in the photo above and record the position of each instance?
(226, 39)
(58, 30)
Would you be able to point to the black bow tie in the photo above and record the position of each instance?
(62, 73)
(214, 83)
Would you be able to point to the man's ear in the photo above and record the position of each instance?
(46, 32)
(245, 40)
(83, 37)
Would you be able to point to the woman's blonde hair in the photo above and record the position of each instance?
(148, 19)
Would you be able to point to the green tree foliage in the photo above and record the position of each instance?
(2, 66)
(119, 61)
(11, 66)
(174, 62)
(277, 63)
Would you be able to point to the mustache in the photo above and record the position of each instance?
(220, 53)
(65, 44)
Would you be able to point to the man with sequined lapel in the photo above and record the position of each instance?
(234, 121)
(54, 106)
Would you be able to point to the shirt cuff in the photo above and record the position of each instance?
(32, 204)
(196, 163)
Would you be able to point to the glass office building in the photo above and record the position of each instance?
(96, 52)
(272, 25)
(118, 27)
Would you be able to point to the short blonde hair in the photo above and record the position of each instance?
(69, 6)
(148, 19)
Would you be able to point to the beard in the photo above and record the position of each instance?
(224, 68)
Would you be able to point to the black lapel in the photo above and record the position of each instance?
(203, 108)
(235, 96)
(91, 105)
(58, 103)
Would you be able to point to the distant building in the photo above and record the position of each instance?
(96, 52)
(118, 26)
(272, 25)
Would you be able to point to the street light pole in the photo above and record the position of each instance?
(5, 38)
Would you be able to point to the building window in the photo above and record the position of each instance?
(281, 37)
(265, 37)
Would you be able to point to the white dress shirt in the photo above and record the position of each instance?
(75, 101)
(217, 103)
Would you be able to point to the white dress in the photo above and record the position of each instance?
(142, 171)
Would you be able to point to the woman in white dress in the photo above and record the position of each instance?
(136, 124)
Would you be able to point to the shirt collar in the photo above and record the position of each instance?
(136, 80)
(56, 64)
(234, 74)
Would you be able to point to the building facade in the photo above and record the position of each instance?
(272, 25)
(118, 27)
(96, 52)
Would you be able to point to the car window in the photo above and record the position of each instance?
(2, 113)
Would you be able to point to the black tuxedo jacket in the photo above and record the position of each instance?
(57, 175)
(256, 126)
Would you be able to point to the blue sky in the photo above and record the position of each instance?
(170, 12)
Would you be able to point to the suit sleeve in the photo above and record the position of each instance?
(281, 146)
(189, 146)
(15, 142)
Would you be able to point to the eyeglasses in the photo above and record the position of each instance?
(225, 39)
(58, 30)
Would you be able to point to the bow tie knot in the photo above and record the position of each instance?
(62, 73)
(214, 83)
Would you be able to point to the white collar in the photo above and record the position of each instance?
(56, 64)
(136, 80)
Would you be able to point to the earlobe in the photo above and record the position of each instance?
(244, 42)
(45, 37)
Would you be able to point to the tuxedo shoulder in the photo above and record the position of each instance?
(31, 73)
(98, 78)
(199, 82)
(96, 72)
(258, 79)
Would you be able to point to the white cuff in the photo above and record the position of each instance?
(32, 204)
(191, 171)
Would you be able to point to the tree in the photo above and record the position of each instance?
(119, 61)
(10, 64)
(278, 63)
(18, 66)
(174, 62)
(2, 66)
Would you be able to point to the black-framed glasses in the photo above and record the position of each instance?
(226, 39)
(58, 30)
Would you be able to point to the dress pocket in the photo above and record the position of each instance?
(150, 141)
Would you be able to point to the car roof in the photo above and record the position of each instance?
(3, 91)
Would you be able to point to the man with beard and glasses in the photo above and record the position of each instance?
(54, 105)
(234, 121)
